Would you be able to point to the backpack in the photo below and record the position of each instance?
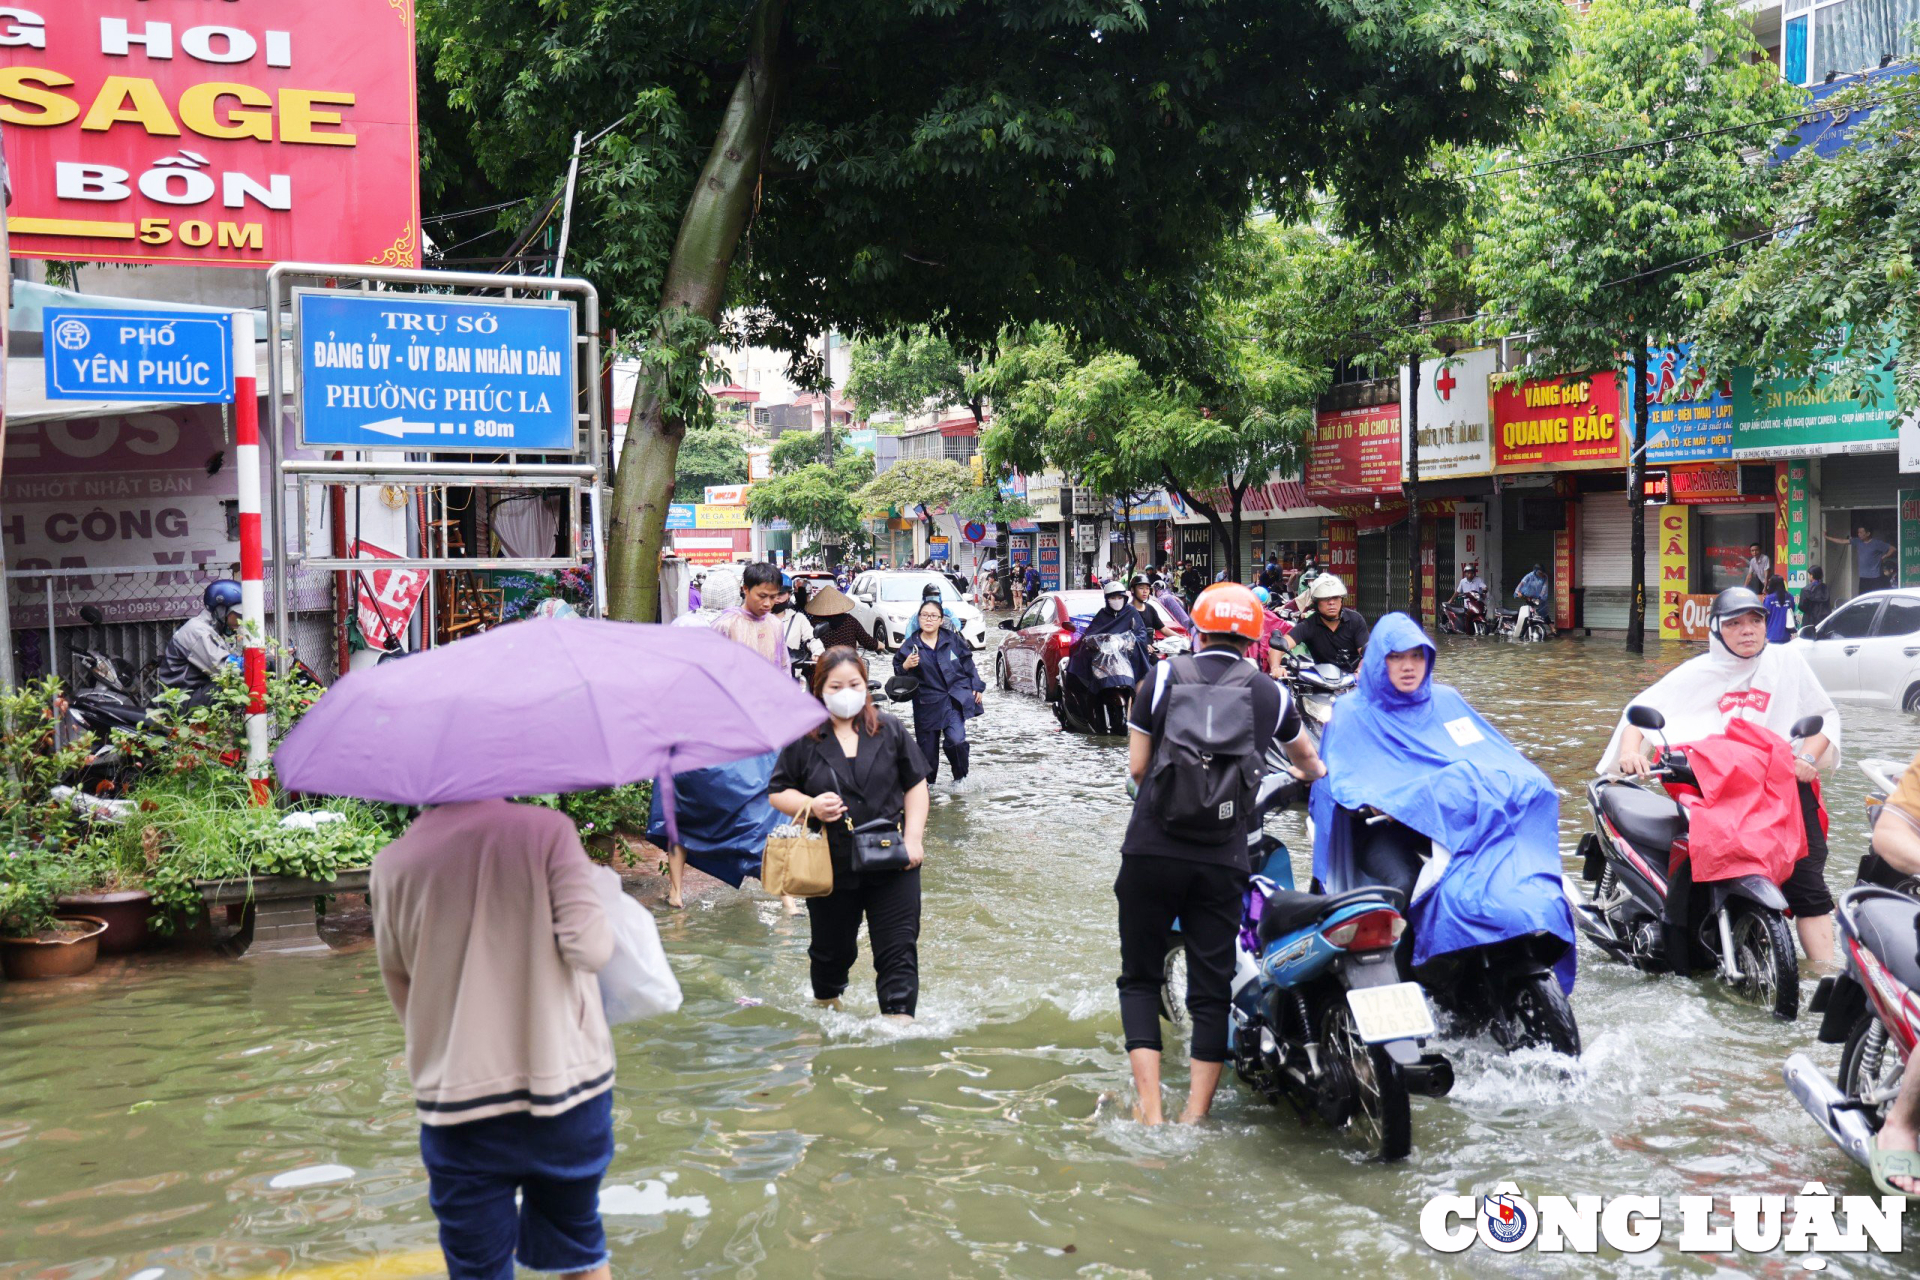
(1205, 766)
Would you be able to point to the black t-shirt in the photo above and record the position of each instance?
(1275, 719)
(1340, 645)
(874, 783)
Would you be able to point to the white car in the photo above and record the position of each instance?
(1868, 650)
(896, 593)
(865, 614)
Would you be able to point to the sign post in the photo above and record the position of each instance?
(253, 587)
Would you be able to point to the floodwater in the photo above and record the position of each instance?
(244, 1118)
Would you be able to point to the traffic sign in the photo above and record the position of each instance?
(434, 374)
(182, 357)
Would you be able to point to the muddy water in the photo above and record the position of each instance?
(249, 1118)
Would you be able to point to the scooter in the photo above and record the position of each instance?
(103, 698)
(1465, 615)
(1736, 925)
(1095, 710)
(1869, 1008)
(1320, 1016)
(1316, 686)
(1508, 989)
(1526, 623)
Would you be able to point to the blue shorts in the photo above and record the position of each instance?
(554, 1162)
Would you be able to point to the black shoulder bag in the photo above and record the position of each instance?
(878, 845)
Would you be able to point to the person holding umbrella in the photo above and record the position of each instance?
(860, 771)
(489, 926)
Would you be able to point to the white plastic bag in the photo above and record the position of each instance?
(637, 982)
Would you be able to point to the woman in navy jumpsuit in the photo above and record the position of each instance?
(949, 693)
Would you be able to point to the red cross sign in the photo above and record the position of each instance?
(1445, 383)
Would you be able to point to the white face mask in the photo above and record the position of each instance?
(846, 703)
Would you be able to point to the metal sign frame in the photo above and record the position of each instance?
(589, 414)
(298, 292)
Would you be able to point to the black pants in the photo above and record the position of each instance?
(1806, 889)
(943, 726)
(1206, 899)
(890, 901)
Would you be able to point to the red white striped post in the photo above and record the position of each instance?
(253, 595)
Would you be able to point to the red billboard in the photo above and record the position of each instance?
(239, 134)
(1355, 453)
(1559, 424)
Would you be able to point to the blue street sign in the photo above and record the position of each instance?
(680, 515)
(181, 357)
(435, 374)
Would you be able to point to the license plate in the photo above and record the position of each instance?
(1398, 1012)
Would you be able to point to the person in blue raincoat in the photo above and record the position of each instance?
(950, 689)
(1101, 685)
(1415, 751)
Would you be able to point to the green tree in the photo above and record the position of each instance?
(817, 499)
(936, 482)
(714, 454)
(1825, 299)
(899, 162)
(913, 371)
(1638, 166)
(796, 449)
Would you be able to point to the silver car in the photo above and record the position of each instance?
(1868, 650)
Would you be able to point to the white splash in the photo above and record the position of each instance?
(649, 1200)
(151, 1273)
(313, 1175)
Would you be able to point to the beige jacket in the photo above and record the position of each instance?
(489, 933)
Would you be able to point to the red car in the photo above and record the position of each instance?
(1030, 660)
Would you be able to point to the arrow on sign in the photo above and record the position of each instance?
(397, 427)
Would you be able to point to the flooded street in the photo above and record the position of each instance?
(253, 1117)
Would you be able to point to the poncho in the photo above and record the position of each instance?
(1429, 761)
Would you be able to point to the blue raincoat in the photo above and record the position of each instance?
(722, 815)
(948, 679)
(1429, 761)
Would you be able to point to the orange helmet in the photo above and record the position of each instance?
(1228, 607)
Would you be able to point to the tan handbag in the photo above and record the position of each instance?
(796, 862)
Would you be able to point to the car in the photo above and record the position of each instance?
(1868, 650)
(865, 614)
(1042, 636)
(896, 593)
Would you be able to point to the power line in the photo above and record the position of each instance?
(485, 208)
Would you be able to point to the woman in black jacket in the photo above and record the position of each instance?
(860, 768)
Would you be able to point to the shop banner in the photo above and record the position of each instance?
(1343, 552)
(1049, 553)
(1909, 500)
(1718, 484)
(1453, 414)
(1793, 539)
(939, 547)
(386, 598)
(727, 495)
(1559, 424)
(1354, 453)
(1689, 417)
(1429, 549)
(1693, 613)
(1674, 566)
(1802, 417)
(710, 517)
(1469, 533)
(1910, 443)
(1020, 548)
(239, 134)
(1564, 541)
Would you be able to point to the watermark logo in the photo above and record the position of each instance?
(1810, 1224)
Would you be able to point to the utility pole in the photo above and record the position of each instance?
(566, 215)
(6, 309)
(826, 366)
(1636, 502)
(1411, 411)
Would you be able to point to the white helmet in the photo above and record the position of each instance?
(1326, 586)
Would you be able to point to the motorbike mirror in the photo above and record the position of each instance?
(820, 628)
(1645, 718)
(1807, 727)
(92, 615)
(1006, 624)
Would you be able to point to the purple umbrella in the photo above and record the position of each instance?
(545, 705)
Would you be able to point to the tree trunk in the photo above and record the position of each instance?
(1636, 503)
(1411, 410)
(696, 282)
(1233, 548)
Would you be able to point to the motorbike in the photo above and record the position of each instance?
(1320, 1017)
(1466, 615)
(1870, 1008)
(1091, 710)
(1736, 925)
(1528, 622)
(103, 697)
(1316, 686)
(1507, 990)
(1872, 1001)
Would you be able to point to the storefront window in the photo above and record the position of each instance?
(1725, 543)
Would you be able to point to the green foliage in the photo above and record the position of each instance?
(34, 762)
(1793, 307)
(937, 482)
(909, 372)
(32, 878)
(605, 812)
(1579, 252)
(710, 455)
(797, 449)
(817, 499)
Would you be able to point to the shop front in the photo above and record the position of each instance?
(1354, 467)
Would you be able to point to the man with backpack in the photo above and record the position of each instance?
(1198, 738)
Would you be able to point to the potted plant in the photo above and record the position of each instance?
(35, 942)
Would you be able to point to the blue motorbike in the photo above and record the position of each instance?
(1321, 1017)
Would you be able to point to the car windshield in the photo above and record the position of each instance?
(908, 587)
(1082, 605)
